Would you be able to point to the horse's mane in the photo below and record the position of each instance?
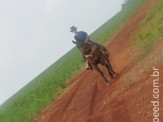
(85, 48)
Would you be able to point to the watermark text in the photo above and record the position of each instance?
(155, 100)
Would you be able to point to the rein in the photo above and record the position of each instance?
(86, 48)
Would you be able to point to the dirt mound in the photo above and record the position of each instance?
(129, 96)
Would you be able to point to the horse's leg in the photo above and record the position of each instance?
(104, 51)
(104, 48)
(101, 73)
(110, 69)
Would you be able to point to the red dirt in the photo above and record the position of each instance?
(89, 99)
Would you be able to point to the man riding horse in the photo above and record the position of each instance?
(81, 35)
(93, 53)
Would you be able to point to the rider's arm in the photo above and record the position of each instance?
(73, 41)
(87, 39)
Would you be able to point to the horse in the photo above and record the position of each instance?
(96, 54)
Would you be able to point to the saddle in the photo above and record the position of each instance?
(89, 47)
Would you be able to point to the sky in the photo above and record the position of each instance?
(35, 33)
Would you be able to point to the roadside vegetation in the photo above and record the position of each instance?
(42, 90)
(150, 31)
(111, 27)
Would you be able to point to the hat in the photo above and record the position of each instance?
(73, 28)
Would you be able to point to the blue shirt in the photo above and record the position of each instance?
(81, 36)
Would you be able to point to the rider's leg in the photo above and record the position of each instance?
(102, 49)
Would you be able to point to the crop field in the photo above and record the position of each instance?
(42, 90)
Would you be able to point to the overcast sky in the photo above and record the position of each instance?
(35, 33)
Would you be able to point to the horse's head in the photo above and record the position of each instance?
(85, 48)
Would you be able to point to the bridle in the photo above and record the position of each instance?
(85, 48)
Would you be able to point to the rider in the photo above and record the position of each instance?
(81, 35)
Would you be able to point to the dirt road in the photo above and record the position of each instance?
(127, 99)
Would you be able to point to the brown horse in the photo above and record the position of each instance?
(95, 54)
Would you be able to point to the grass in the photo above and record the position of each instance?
(42, 90)
(111, 27)
(25, 104)
(150, 31)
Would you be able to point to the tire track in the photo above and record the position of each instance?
(68, 103)
(93, 99)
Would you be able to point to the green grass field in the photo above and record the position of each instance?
(28, 102)
(150, 31)
(108, 29)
